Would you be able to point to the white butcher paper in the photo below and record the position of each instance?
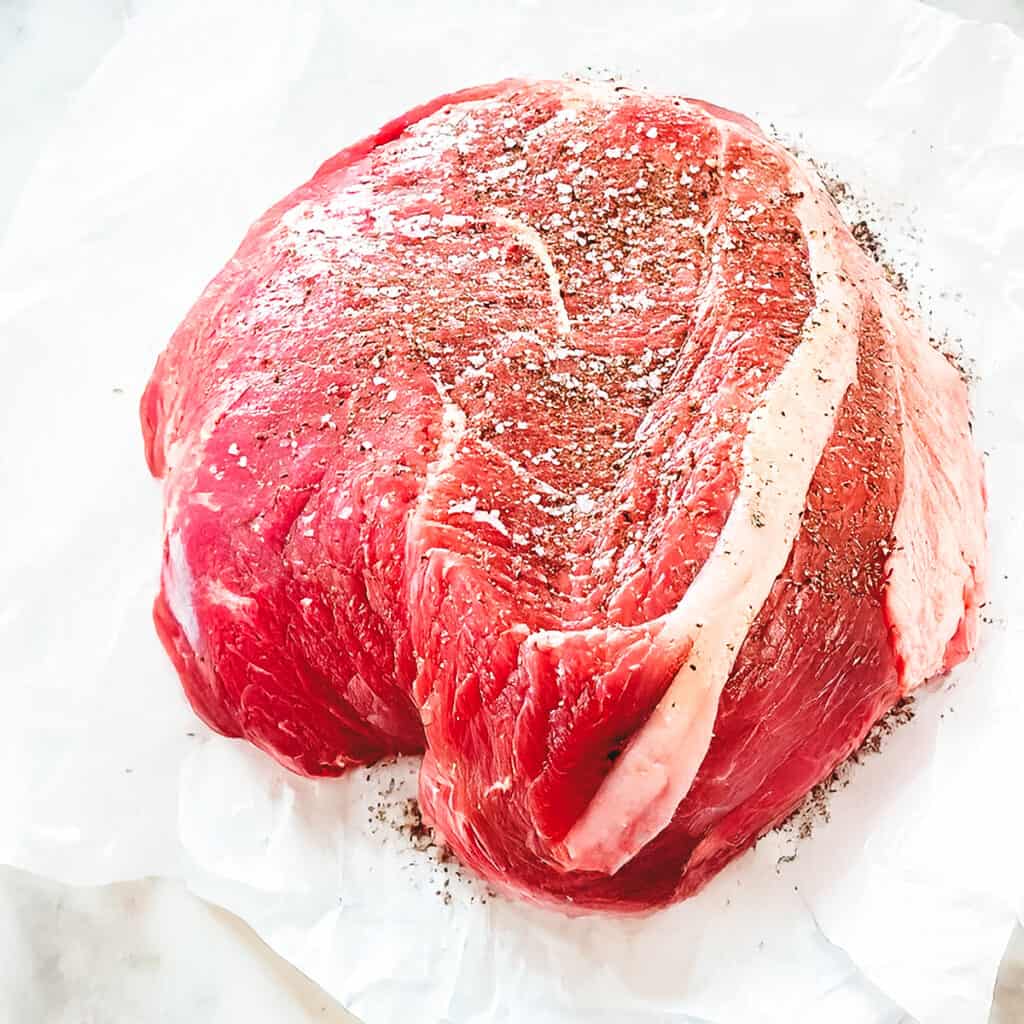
(199, 116)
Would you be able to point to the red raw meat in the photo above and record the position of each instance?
(563, 432)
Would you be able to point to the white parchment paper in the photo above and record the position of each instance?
(199, 117)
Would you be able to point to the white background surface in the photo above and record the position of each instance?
(151, 932)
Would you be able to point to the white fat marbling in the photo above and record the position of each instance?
(786, 437)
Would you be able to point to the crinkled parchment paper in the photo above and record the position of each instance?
(199, 117)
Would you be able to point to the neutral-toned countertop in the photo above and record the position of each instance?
(149, 950)
(140, 951)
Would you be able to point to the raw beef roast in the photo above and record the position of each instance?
(564, 433)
